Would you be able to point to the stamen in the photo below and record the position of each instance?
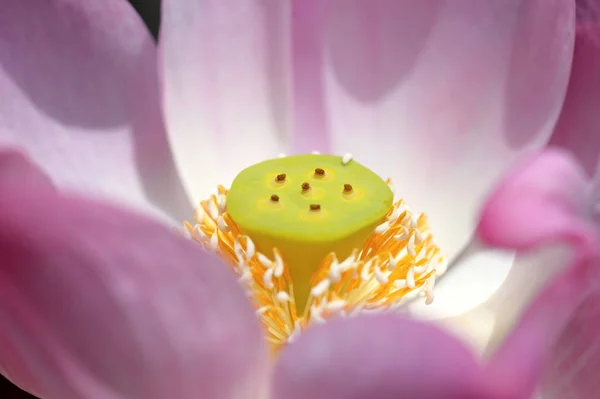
(349, 262)
(379, 276)
(262, 310)
(410, 247)
(213, 210)
(268, 278)
(346, 158)
(335, 273)
(283, 296)
(266, 262)
(395, 215)
(279, 266)
(402, 236)
(199, 217)
(222, 225)
(198, 233)
(250, 249)
(245, 278)
(429, 290)
(418, 237)
(420, 269)
(400, 283)
(382, 228)
(441, 267)
(336, 305)
(222, 203)
(214, 241)
(296, 333)
(366, 270)
(320, 288)
(410, 278)
(391, 262)
(315, 314)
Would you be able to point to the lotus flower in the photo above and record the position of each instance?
(107, 138)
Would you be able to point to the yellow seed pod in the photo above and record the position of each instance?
(307, 206)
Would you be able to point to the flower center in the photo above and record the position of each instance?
(312, 236)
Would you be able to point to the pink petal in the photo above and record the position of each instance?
(441, 95)
(545, 195)
(310, 119)
(579, 123)
(377, 357)
(226, 88)
(17, 169)
(99, 303)
(80, 97)
(573, 367)
(574, 364)
(545, 203)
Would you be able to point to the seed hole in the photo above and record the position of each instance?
(347, 188)
(305, 186)
(280, 177)
(275, 198)
(315, 207)
(319, 172)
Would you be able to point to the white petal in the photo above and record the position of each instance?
(484, 326)
(80, 96)
(226, 86)
(469, 282)
(442, 96)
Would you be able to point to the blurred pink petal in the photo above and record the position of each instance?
(99, 303)
(441, 95)
(381, 357)
(574, 365)
(18, 170)
(544, 203)
(575, 362)
(548, 199)
(578, 128)
(310, 120)
(226, 86)
(80, 96)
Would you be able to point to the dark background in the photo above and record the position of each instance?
(150, 12)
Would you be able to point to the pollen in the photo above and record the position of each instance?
(304, 258)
